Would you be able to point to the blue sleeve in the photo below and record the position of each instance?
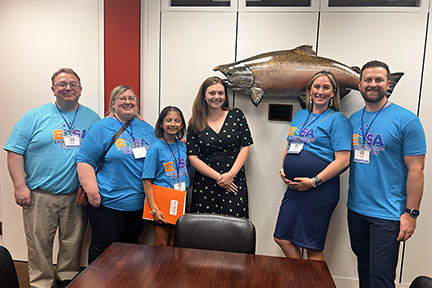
(150, 163)
(341, 134)
(414, 140)
(21, 135)
(91, 150)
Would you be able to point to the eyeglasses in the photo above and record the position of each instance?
(124, 98)
(72, 85)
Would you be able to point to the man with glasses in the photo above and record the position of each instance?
(41, 160)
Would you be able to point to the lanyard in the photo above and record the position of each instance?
(370, 125)
(64, 119)
(177, 162)
(129, 132)
(307, 119)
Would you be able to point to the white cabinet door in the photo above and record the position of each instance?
(192, 43)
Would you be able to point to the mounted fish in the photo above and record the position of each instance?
(287, 72)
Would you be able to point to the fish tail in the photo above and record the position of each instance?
(394, 79)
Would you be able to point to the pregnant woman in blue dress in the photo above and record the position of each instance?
(318, 150)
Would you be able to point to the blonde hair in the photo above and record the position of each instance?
(198, 120)
(336, 98)
(117, 91)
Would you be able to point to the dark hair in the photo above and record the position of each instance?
(159, 132)
(198, 120)
(67, 71)
(373, 64)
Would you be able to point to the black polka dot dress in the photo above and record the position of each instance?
(219, 151)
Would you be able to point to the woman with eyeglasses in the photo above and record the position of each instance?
(218, 141)
(318, 150)
(110, 163)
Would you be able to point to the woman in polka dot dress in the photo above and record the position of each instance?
(218, 142)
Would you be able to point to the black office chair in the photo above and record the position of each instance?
(8, 275)
(421, 282)
(215, 232)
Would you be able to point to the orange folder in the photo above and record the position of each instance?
(170, 201)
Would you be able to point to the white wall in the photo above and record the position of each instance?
(187, 57)
(257, 34)
(38, 37)
(353, 38)
(420, 244)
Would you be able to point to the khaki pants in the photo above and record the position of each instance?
(42, 218)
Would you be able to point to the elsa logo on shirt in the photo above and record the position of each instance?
(58, 135)
(126, 145)
(307, 135)
(171, 169)
(375, 142)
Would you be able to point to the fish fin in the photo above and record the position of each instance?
(301, 100)
(306, 49)
(356, 69)
(256, 95)
(394, 79)
(343, 92)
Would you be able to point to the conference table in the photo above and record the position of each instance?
(133, 265)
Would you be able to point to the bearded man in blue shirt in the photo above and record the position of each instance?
(386, 178)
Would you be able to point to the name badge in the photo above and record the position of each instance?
(180, 186)
(139, 152)
(72, 141)
(362, 155)
(295, 147)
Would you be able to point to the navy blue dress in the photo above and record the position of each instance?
(304, 216)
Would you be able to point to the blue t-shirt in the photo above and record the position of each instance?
(119, 179)
(321, 136)
(378, 189)
(38, 136)
(162, 162)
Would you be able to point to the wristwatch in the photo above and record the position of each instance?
(316, 181)
(413, 212)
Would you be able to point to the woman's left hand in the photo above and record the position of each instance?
(301, 184)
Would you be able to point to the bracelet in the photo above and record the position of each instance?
(154, 210)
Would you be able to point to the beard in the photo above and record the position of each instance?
(374, 99)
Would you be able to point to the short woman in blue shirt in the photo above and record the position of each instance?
(166, 165)
(115, 193)
(318, 150)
